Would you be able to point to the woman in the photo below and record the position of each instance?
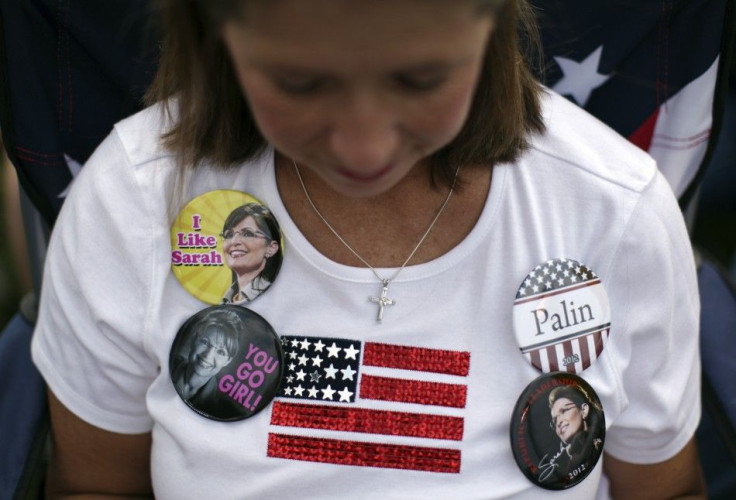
(416, 169)
(579, 424)
(252, 251)
(212, 344)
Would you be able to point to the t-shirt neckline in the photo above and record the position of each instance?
(298, 243)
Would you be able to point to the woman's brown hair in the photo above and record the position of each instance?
(212, 121)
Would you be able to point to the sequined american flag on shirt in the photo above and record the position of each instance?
(370, 404)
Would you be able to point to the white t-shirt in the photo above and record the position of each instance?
(111, 308)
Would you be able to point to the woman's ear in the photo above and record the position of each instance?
(273, 247)
(584, 409)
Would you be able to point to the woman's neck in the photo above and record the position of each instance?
(245, 279)
(192, 382)
(384, 229)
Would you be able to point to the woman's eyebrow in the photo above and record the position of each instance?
(297, 68)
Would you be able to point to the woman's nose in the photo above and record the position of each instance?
(365, 137)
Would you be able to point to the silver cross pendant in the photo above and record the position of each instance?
(383, 300)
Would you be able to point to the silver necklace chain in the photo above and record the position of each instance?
(383, 301)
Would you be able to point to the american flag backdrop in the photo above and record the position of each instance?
(340, 399)
(647, 68)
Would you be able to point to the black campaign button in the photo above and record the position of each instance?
(226, 363)
(557, 430)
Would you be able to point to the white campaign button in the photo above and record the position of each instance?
(562, 317)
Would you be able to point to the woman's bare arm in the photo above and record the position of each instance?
(679, 477)
(87, 460)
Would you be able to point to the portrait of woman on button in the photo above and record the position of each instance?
(209, 346)
(578, 423)
(251, 245)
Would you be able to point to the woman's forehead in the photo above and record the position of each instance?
(296, 30)
(214, 333)
(562, 402)
(247, 221)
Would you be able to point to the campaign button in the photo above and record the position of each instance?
(226, 247)
(558, 430)
(226, 363)
(562, 317)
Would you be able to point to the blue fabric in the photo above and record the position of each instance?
(718, 466)
(71, 70)
(718, 335)
(717, 432)
(651, 49)
(22, 402)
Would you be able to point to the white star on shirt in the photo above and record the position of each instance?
(318, 346)
(313, 392)
(298, 390)
(305, 344)
(316, 361)
(580, 79)
(345, 395)
(300, 375)
(330, 371)
(303, 359)
(351, 352)
(347, 373)
(328, 393)
(333, 351)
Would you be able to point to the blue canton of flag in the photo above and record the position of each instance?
(320, 371)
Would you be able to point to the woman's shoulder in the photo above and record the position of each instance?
(141, 134)
(577, 139)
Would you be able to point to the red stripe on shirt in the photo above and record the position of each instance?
(364, 454)
(413, 391)
(369, 421)
(416, 358)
